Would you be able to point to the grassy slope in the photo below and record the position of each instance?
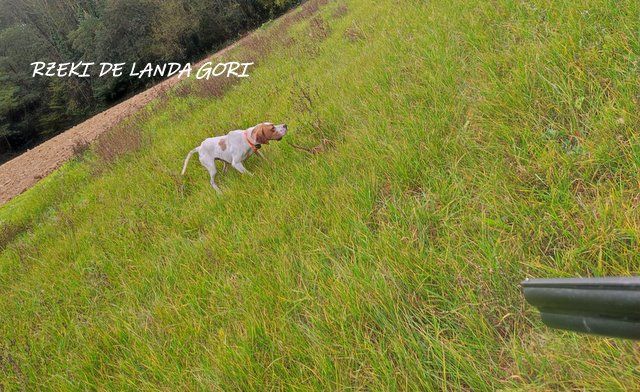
(475, 144)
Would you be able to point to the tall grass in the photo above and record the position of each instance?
(467, 145)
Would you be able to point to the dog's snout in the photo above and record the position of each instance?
(281, 129)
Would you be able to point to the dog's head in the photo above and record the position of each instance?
(263, 133)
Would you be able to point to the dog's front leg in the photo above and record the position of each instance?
(240, 167)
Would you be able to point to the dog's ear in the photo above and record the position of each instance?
(263, 133)
(258, 134)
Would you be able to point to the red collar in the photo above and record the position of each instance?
(253, 146)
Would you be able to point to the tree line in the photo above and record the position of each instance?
(34, 109)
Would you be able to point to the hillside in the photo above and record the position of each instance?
(458, 148)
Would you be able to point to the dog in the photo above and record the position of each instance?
(234, 148)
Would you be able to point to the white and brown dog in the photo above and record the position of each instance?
(234, 148)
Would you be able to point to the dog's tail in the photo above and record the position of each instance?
(186, 160)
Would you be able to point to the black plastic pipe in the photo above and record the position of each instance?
(601, 306)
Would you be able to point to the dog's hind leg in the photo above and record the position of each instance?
(212, 173)
(224, 164)
(210, 165)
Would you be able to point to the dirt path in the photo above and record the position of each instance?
(24, 171)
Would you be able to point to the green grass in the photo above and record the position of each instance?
(471, 144)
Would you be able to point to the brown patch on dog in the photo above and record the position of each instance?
(223, 144)
(262, 133)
